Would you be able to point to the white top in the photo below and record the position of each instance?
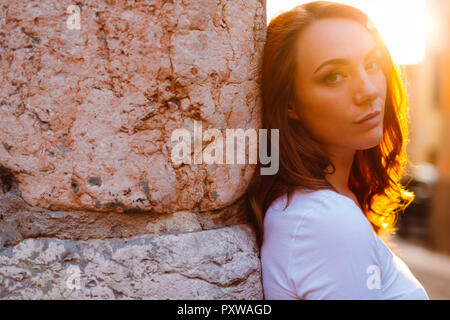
(323, 247)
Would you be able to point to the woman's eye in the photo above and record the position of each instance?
(332, 77)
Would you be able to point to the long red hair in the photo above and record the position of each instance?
(375, 174)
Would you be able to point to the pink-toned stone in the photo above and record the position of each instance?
(86, 118)
(86, 115)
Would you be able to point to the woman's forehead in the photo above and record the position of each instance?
(327, 39)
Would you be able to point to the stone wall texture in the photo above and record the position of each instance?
(87, 185)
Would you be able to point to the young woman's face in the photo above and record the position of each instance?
(332, 97)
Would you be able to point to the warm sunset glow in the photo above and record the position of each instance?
(405, 25)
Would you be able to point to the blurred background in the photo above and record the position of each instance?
(417, 33)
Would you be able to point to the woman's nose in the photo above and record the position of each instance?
(366, 91)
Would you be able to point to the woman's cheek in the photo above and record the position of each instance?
(331, 127)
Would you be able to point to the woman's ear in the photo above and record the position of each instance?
(292, 114)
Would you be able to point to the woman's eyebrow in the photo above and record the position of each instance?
(343, 61)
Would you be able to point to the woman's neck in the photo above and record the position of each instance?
(342, 159)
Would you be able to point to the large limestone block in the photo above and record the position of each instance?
(213, 264)
(19, 221)
(86, 115)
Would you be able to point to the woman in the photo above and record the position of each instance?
(329, 84)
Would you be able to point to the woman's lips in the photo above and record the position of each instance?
(371, 119)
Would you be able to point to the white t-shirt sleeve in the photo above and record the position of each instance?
(333, 253)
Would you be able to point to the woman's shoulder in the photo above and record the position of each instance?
(318, 228)
(304, 201)
(282, 218)
(300, 199)
(318, 211)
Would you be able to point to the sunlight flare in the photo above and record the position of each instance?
(405, 25)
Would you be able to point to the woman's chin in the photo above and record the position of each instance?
(370, 141)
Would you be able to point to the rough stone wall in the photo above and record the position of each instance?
(86, 179)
